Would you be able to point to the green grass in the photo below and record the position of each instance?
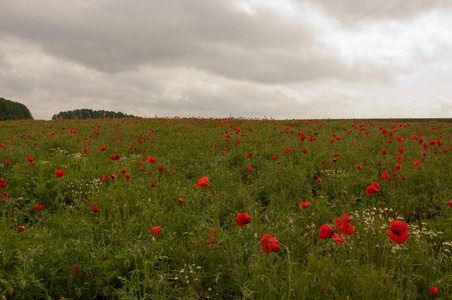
(67, 250)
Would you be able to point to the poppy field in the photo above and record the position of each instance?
(233, 208)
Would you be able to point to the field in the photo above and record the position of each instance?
(149, 209)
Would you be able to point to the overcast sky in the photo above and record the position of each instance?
(240, 58)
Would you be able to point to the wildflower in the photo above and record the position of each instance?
(344, 225)
(249, 169)
(151, 160)
(397, 167)
(59, 173)
(202, 182)
(359, 167)
(181, 201)
(75, 270)
(398, 233)
(269, 244)
(434, 291)
(243, 219)
(103, 148)
(20, 228)
(449, 203)
(373, 188)
(104, 178)
(39, 207)
(319, 180)
(95, 209)
(327, 232)
(127, 176)
(305, 204)
(156, 231)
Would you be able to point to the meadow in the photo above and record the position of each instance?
(235, 208)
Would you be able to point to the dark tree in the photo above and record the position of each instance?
(10, 110)
(85, 113)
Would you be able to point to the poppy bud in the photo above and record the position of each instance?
(255, 235)
(313, 226)
(266, 220)
(290, 222)
(305, 236)
(3, 297)
(344, 192)
(20, 199)
(308, 228)
(11, 291)
(127, 263)
(333, 207)
(312, 215)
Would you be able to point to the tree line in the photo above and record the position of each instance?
(10, 110)
(86, 113)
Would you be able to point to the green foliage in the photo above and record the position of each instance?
(86, 113)
(68, 250)
(10, 110)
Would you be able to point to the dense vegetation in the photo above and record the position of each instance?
(148, 209)
(10, 110)
(86, 113)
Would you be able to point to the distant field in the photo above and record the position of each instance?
(149, 209)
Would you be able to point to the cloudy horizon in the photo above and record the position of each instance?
(282, 59)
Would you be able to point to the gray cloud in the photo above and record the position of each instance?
(351, 12)
(114, 36)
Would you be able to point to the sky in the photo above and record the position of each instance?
(281, 59)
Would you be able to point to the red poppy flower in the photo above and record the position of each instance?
(400, 150)
(152, 184)
(269, 244)
(249, 169)
(161, 169)
(327, 232)
(123, 171)
(75, 270)
(383, 152)
(373, 188)
(449, 203)
(287, 150)
(20, 228)
(59, 173)
(243, 219)
(127, 176)
(5, 196)
(319, 180)
(304, 150)
(39, 207)
(2, 183)
(359, 167)
(385, 176)
(424, 154)
(85, 150)
(104, 178)
(397, 167)
(151, 160)
(181, 200)
(30, 159)
(156, 231)
(434, 291)
(305, 204)
(95, 209)
(114, 177)
(344, 225)
(8, 163)
(273, 157)
(202, 182)
(398, 233)
(103, 148)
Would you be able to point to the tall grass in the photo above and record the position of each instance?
(68, 250)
